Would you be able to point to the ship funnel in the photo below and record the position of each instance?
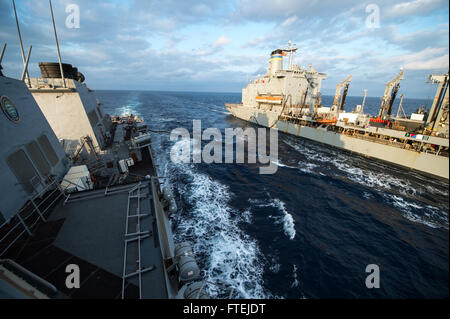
(275, 62)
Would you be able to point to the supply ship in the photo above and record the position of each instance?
(83, 213)
(289, 100)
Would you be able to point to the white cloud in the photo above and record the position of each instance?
(289, 21)
(426, 59)
(437, 63)
(211, 49)
(142, 37)
(254, 42)
(415, 7)
(221, 41)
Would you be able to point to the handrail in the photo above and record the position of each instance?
(22, 220)
(42, 281)
(401, 145)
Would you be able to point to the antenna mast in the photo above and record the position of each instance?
(21, 45)
(57, 46)
(291, 49)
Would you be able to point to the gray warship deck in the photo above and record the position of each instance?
(91, 229)
(90, 233)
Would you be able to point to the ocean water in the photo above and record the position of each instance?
(308, 231)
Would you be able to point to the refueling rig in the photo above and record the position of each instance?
(290, 100)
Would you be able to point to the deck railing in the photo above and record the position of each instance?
(34, 211)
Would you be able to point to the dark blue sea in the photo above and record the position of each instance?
(308, 231)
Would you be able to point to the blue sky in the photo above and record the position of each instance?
(218, 45)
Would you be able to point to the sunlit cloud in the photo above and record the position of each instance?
(216, 45)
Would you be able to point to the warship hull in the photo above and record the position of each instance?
(434, 165)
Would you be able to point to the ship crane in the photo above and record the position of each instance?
(389, 95)
(439, 113)
(401, 112)
(339, 100)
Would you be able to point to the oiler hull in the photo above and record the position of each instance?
(437, 166)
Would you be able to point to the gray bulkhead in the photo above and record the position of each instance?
(73, 112)
(30, 151)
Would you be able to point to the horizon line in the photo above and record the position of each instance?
(186, 91)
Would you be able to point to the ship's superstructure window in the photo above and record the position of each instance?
(93, 118)
(38, 158)
(21, 166)
(48, 149)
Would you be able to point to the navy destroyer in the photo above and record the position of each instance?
(289, 100)
(83, 212)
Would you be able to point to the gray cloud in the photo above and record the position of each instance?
(113, 47)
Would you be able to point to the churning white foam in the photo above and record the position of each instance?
(427, 215)
(274, 266)
(367, 195)
(288, 225)
(129, 108)
(166, 119)
(307, 167)
(229, 256)
(374, 180)
(221, 112)
(433, 190)
(247, 216)
(295, 283)
(364, 177)
(286, 219)
(279, 164)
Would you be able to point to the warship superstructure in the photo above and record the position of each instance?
(83, 213)
(289, 100)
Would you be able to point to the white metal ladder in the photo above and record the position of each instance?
(137, 236)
